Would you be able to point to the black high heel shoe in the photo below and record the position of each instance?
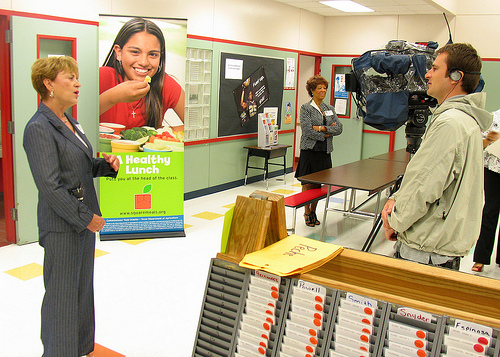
(314, 218)
(309, 221)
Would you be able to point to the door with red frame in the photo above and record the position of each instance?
(32, 38)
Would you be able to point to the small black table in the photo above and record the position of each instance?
(267, 152)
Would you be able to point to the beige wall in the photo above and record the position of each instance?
(273, 23)
(357, 34)
(261, 22)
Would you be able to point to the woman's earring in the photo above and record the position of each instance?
(51, 94)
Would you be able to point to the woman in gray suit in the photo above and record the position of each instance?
(319, 124)
(63, 167)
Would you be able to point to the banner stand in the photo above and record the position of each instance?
(152, 235)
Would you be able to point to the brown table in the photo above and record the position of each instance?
(267, 152)
(372, 175)
(399, 155)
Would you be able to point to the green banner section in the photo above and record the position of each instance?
(149, 185)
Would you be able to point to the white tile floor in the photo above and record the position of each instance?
(148, 295)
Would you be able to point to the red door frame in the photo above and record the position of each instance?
(7, 152)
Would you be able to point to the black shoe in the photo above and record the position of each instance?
(314, 218)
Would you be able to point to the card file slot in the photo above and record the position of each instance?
(215, 332)
(221, 311)
(223, 296)
(202, 352)
(222, 303)
(295, 328)
(224, 289)
(226, 281)
(489, 350)
(213, 341)
(367, 334)
(255, 292)
(233, 274)
(425, 345)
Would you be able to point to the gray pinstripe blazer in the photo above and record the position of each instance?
(310, 116)
(59, 161)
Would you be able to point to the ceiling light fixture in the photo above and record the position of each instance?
(347, 6)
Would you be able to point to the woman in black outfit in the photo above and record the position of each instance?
(319, 124)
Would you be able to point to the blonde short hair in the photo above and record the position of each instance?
(50, 67)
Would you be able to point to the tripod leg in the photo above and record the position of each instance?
(373, 233)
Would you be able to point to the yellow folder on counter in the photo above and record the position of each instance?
(291, 255)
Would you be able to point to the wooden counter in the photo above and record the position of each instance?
(437, 290)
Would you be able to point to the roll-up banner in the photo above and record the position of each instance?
(142, 61)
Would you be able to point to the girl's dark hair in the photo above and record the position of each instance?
(313, 82)
(153, 101)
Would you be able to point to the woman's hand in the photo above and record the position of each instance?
(125, 92)
(96, 224)
(130, 91)
(112, 160)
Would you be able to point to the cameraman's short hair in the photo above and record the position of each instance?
(50, 67)
(313, 82)
(464, 57)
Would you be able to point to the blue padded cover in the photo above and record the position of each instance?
(387, 111)
(390, 64)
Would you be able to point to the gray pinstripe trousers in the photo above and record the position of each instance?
(68, 324)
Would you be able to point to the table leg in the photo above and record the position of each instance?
(266, 171)
(377, 207)
(351, 200)
(246, 169)
(284, 170)
(323, 229)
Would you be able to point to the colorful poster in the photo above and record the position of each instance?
(288, 113)
(290, 73)
(146, 197)
(142, 67)
(340, 91)
(251, 95)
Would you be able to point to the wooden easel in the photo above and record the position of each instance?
(258, 221)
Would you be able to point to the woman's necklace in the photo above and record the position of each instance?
(134, 108)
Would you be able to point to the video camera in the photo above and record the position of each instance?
(389, 88)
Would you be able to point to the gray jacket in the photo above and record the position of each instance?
(59, 162)
(309, 116)
(438, 207)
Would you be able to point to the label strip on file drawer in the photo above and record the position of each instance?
(261, 319)
(221, 309)
(410, 332)
(464, 338)
(356, 326)
(308, 312)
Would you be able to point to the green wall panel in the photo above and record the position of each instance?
(224, 161)
(491, 75)
(196, 167)
(347, 146)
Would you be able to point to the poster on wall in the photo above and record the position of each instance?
(251, 95)
(142, 62)
(339, 90)
(290, 73)
(247, 85)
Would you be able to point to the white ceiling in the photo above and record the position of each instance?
(381, 7)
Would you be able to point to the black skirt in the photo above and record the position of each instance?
(311, 161)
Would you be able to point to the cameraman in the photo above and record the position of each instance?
(435, 216)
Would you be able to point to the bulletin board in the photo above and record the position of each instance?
(341, 98)
(266, 74)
